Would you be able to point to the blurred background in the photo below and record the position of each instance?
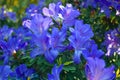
(17, 6)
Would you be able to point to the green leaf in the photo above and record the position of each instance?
(67, 63)
(69, 68)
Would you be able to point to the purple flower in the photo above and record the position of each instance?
(4, 14)
(31, 10)
(4, 72)
(23, 72)
(43, 44)
(76, 57)
(56, 44)
(81, 33)
(49, 45)
(11, 46)
(38, 24)
(44, 48)
(5, 32)
(95, 70)
(21, 32)
(50, 12)
(91, 50)
(54, 12)
(112, 41)
(55, 73)
(43, 41)
(57, 38)
(51, 55)
(70, 15)
(61, 14)
(34, 9)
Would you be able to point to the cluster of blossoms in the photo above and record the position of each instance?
(104, 5)
(112, 41)
(50, 33)
(11, 42)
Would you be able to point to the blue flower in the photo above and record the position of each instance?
(95, 70)
(44, 47)
(5, 71)
(5, 32)
(54, 12)
(91, 50)
(55, 73)
(31, 10)
(49, 45)
(22, 32)
(25, 35)
(38, 24)
(34, 9)
(51, 55)
(23, 72)
(76, 56)
(112, 42)
(50, 12)
(56, 42)
(61, 14)
(42, 43)
(11, 46)
(57, 38)
(4, 14)
(69, 14)
(81, 33)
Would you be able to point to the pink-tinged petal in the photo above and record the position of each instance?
(52, 7)
(46, 12)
